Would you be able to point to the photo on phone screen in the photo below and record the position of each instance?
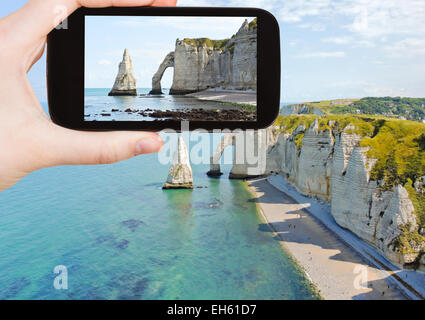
(148, 68)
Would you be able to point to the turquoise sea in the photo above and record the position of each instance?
(122, 237)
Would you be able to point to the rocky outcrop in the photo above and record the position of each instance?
(156, 80)
(330, 165)
(180, 175)
(125, 82)
(203, 63)
(420, 185)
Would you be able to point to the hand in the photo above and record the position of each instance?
(28, 139)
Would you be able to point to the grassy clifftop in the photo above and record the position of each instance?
(200, 42)
(217, 44)
(398, 146)
(405, 108)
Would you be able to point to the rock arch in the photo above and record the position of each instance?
(156, 80)
(242, 166)
(215, 169)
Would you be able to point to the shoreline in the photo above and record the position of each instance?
(332, 266)
(247, 97)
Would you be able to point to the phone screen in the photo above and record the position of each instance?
(147, 68)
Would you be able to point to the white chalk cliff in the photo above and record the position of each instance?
(125, 82)
(180, 175)
(333, 167)
(203, 63)
(330, 165)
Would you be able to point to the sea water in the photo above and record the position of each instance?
(121, 236)
(98, 105)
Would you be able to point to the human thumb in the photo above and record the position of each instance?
(80, 147)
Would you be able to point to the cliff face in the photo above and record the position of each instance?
(125, 82)
(203, 63)
(331, 165)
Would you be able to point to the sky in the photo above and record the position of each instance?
(330, 48)
(107, 37)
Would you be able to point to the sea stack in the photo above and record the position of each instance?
(125, 82)
(180, 175)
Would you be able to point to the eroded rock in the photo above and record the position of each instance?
(125, 82)
(180, 175)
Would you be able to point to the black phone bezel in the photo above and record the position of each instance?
(66, 63)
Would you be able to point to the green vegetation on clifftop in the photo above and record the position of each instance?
(200, 42)
(394, 107)
(253, 24)
(397, 145)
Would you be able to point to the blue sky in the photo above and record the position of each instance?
(332, 48)
(107, 37)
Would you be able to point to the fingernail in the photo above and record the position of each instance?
(148, 145)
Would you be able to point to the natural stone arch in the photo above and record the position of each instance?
(215, 169)
(156, 80)
(242, 168)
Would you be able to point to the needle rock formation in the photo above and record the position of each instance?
(180, 175)
(125, 82)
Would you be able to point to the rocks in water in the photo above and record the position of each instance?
(129, 110)
(204, 115)
(215, 204)
(156, 80)
(125, 82)
(132, 224)
(123, 244)
(180, 175)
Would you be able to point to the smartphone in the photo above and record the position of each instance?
(150, 68)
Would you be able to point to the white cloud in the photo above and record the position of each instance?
(338, 40)
(389, 17)
(313, 26)
(297, 10)
(368, 18)
(348, 40)
(196, 25)
(104, 62)
(409, 47)
(375, 90)
(335, 54)
(293, 43)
